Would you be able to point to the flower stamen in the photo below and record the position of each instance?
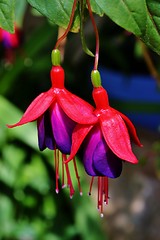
(90, 188)
(106, 197)
(77, 176)
(63, 176)
(102, 192)
(69, 181)
(56, 160)
(65, 173)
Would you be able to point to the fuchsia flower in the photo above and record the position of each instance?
(57, 111)
(10, 41)
(65, 122)
(106, 142)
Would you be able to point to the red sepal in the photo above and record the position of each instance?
(39, 105)
(116, 135)
(131, 129)
(76, 108)
(78, 135)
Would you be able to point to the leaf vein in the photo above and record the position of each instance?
(64, 10)
(2, 12)
(133, 17)
(152, 20)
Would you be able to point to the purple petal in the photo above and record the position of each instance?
(105, 162)
(99, 160)
(45, 135)
(7, 40)
(89, 147)
(62, 127)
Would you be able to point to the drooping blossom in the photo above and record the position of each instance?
(106, 142)
(57, 111)
(10, 41)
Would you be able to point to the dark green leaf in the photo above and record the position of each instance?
(82, 20)
(10, 113)
(153, 25)
(57, 11)
(140, 17)
(7, 15)
(20, 8)
(96, 8)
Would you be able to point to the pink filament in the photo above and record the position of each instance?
(65, 171)
(56, 160)
(77, 176)
(69, 181)
(102, 192)
(90, 188)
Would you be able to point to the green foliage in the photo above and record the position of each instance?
(20, 7)
(58, 12)
(31, 52)
(7, 14)
(136, 16)
(140, 17)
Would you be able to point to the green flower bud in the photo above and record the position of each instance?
(96, 78)
(56, 57)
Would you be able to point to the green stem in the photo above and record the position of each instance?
(84, 46)
(69, 25)
(96, 33)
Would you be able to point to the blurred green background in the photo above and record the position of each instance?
(29, 207)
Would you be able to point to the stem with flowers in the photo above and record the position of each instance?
(106, 142)
(96, 35)
(102, 189)
(66, 122)
(69, 25)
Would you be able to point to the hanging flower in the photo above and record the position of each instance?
(106, 143)
(10, 41)
(57, 111)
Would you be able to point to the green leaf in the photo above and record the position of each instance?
(10, 76)
(140, 17)
(95, 8)
(82, 20)
(9, 114)
(7, 15)
(57, 11)
(20, 8)
(153, 29)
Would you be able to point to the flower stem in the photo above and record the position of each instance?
(69, 25)
(77, 176)
(96, 34)
(82, 18)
